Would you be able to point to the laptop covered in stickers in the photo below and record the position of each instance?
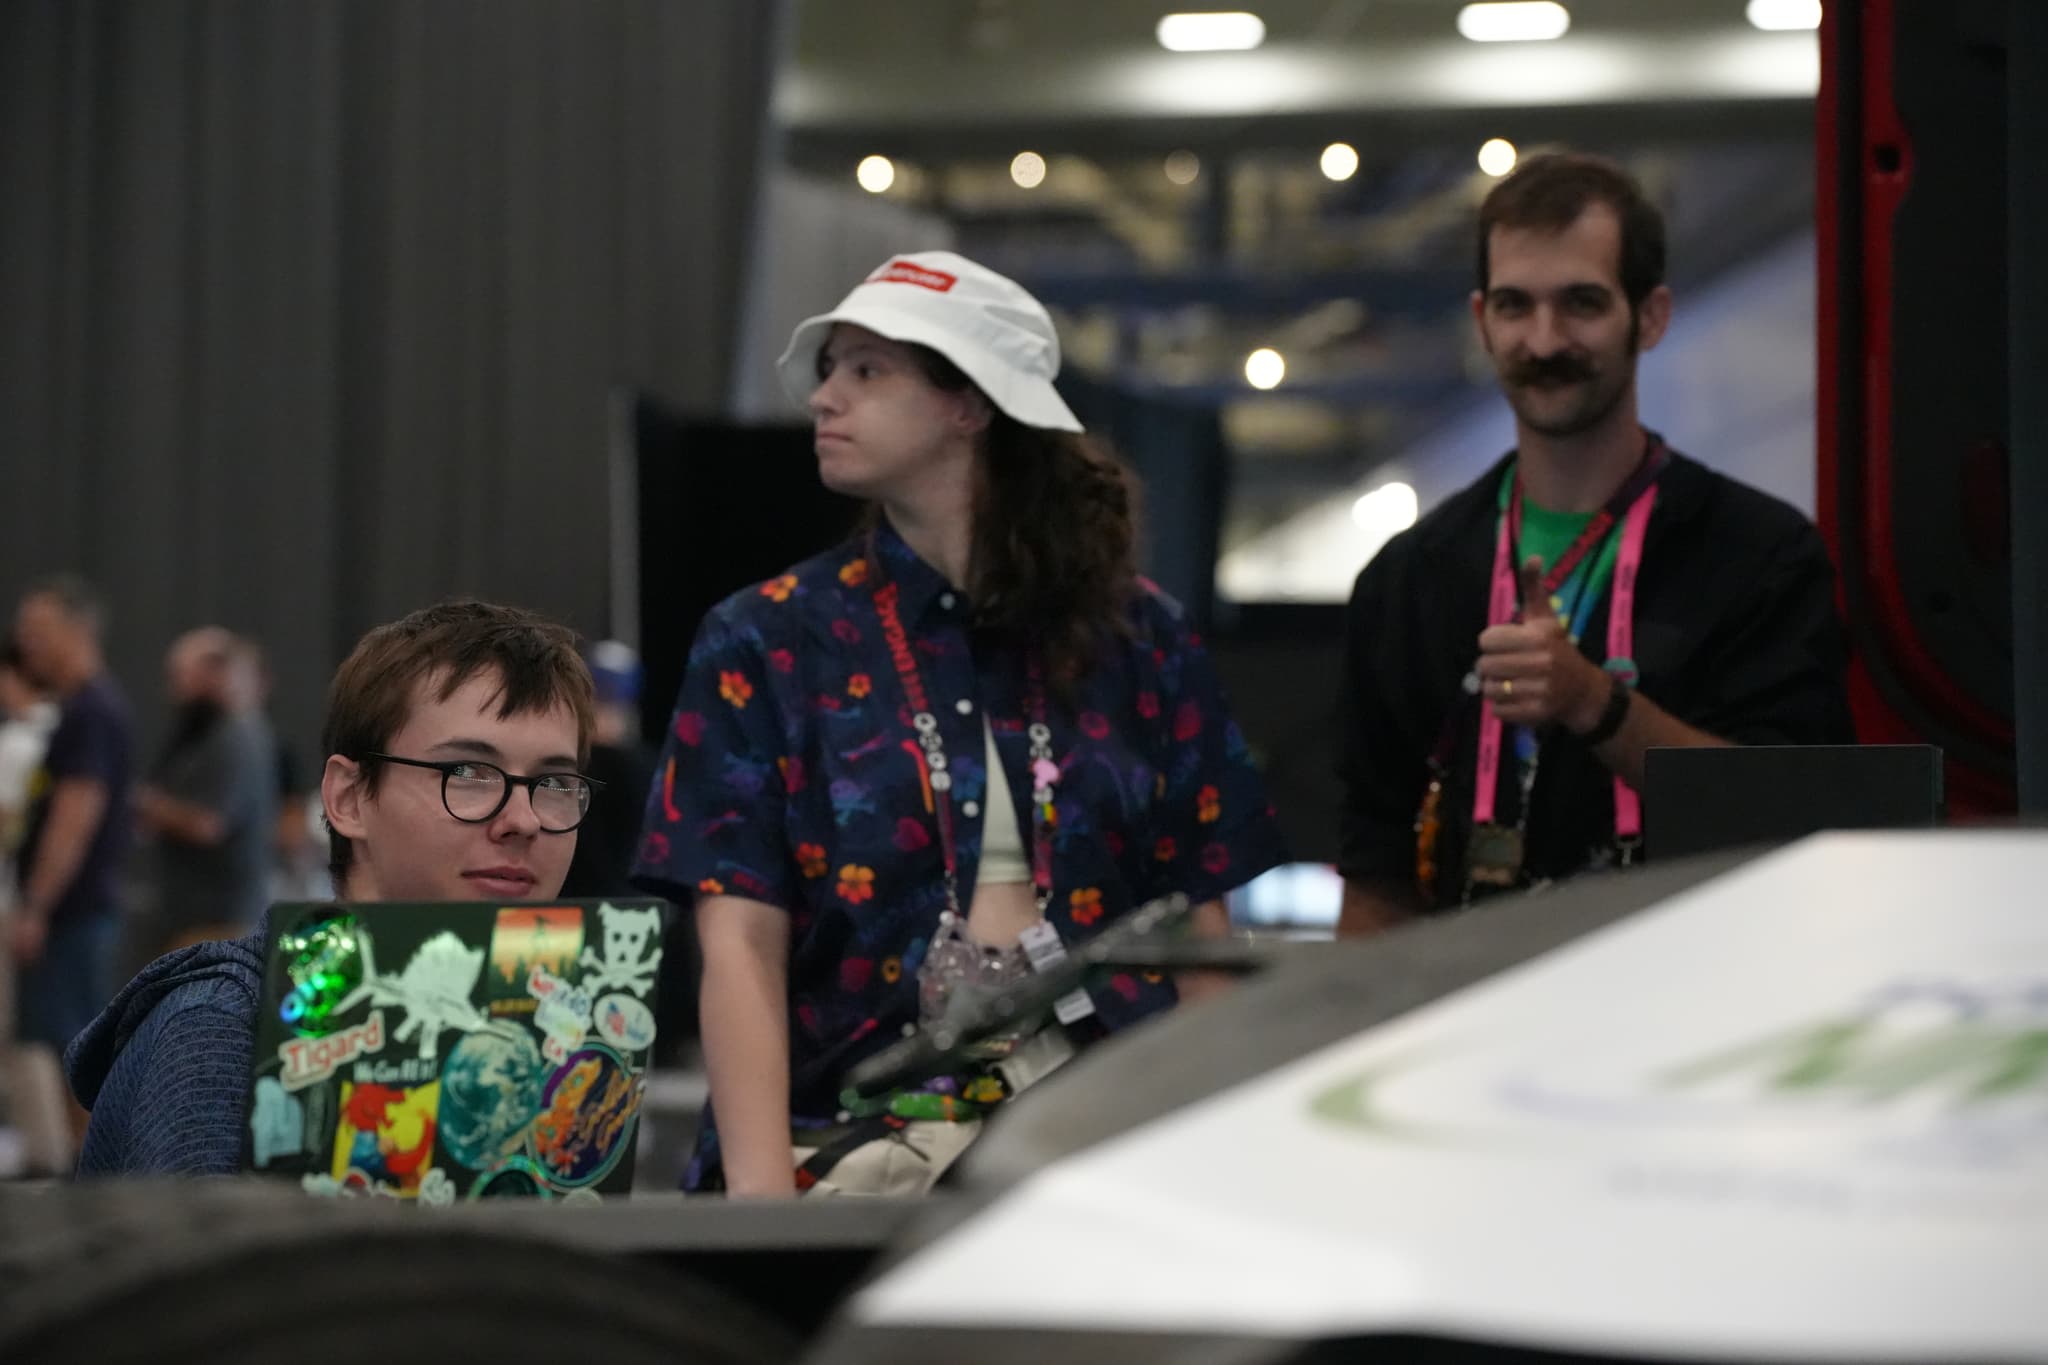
(455, 1051)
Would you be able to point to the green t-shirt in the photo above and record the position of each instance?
(1546, 535)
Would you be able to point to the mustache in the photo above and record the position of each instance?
(1553, 369)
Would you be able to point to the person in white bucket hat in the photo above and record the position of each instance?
(962, 742)
(986, 324)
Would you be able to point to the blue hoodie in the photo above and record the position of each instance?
(165, 1068)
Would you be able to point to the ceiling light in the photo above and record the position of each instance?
(1387, 510)
(1497, 156)
(1183, 168)
(875, 173)
(1028, 170)
(1265, 368)
(1781, 16)
(1340, 161)
(1228, 31)
(1524, 21)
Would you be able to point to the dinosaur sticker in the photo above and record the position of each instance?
(433, 990)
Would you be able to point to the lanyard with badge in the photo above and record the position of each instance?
(1497, 851)
(951, 955)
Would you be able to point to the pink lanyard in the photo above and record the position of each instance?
(1502, 607)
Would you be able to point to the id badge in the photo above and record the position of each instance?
(1041, 943)
(1494, 857)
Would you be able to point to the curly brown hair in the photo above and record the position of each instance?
(1055, 536)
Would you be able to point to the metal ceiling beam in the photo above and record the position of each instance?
(907, 87)
(1237, 291)
(1351, 391)
(833, 147)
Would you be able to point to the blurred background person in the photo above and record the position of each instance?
(26, 718)
(610, 834)
(62, 926)
(298, 839)
(621, 760)
(209, 805)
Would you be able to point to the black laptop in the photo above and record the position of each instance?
(455, 1051)
(1707, 800)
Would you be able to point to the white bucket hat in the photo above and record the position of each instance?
(986, 324)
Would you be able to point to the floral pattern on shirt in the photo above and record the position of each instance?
(795, 779)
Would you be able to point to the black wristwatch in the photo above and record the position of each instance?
(1612, 716)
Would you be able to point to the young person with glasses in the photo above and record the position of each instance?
(454, 739)
(965, 741)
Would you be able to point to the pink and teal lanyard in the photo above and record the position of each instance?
(1630, 506)
(931, 751)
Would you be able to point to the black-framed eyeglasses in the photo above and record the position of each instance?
(474, 791)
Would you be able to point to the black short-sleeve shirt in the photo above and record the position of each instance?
(92, 742)
(1736, 633)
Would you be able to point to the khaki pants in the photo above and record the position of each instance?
(33, 1096)
(910, 1160)
(907, 1162)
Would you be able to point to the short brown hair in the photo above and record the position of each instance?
(1547, 193)
(76, 598)
(537, 662)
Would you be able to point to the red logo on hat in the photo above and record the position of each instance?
(909, 272)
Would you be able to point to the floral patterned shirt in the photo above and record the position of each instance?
(791, 774)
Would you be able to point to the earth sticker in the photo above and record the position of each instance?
(490, 1089)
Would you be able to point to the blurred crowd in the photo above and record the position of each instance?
(111, 856)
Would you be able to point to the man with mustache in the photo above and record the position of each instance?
(1511, 657)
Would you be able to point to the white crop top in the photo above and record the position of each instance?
(1002, 843)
